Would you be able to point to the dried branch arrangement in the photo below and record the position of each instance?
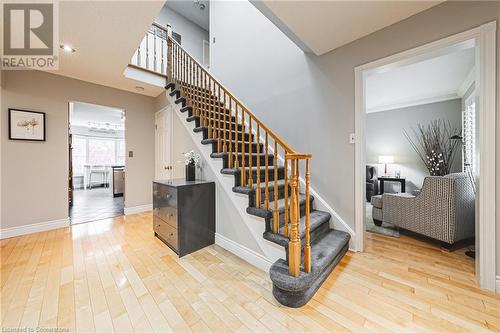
(433, 145)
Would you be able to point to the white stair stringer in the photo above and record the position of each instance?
(270, 251)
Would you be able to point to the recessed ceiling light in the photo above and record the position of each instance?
(139, 88)
(67, 48)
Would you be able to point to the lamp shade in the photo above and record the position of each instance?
(384, 159)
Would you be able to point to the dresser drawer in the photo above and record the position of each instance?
(166, 232)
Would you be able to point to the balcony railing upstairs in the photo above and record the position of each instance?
(152, 52)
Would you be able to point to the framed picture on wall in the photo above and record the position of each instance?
(26, 125)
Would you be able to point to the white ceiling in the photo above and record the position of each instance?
(323, 26)
(191, 11)
(105, 35)
(437, 79)
(84, 112)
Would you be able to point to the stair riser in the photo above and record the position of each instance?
(269, 220)
(232, 147)
(229, 125)
(316, 235)
(281, 175)
(212, 116)
(252, 197)
(239, 136)
(298, 299)
(249, 160)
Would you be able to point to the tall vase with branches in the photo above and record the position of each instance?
(433, 145)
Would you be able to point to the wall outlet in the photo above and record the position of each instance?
(352, 138)
(130, 153)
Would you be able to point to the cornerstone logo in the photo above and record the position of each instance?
(29, 39)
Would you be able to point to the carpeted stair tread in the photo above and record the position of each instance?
(323, 253)
(233, 171)
(222, 154)
(268, 213)
(317, 219)
(262, 185)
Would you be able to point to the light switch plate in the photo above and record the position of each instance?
(130, 153)
(352, 138)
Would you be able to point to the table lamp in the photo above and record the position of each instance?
(385, 159)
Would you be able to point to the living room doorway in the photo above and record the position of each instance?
(401, 117)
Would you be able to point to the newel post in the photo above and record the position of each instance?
(294, 244)
(169, 54)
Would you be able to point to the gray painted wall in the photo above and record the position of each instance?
(309, 100)
(192, 34)
(34, 174)
(384, 136)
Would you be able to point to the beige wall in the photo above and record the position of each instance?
(34, 174)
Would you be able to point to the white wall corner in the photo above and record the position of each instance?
(498, 284)
(32, 228)
(250, 256)
(137, 209)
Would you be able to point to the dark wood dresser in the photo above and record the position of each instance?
(184, 214)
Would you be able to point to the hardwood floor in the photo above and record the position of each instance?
(113, 275)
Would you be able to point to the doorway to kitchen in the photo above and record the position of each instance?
(96, 182)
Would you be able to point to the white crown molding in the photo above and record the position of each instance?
(469, 80)
(32, 228)
(137, 209)
(414, 102)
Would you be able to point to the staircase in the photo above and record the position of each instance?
(266, 169)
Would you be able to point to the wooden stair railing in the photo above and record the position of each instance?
(216, 106)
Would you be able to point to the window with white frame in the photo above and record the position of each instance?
(96, 151)
(469, 134)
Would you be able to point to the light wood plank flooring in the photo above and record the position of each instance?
(113, 275)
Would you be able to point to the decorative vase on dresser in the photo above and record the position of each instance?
(190, 172)
(184, 214)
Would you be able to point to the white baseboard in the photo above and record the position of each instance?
(498, 284)
(244, 253)
(32, 228)
(137, 209)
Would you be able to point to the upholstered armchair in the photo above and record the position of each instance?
(371, 182)
(443, 210)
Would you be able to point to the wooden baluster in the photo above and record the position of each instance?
(236, 146)
(154, 49)
(266, 175)
(307, 248)
(250, 150)
(224, 145)
(294, 244)
(258, 193)
(276, 217)
(147, 50)
(162, 69)
(287, 213)
(230, 133)
(210, 113)
(202, 101)
(169, 61)
(219, 126)
(139, 55)
(243, 171)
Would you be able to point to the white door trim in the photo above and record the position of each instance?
(169, 111)
(484, 38)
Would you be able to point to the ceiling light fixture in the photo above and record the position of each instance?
(67, 48)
